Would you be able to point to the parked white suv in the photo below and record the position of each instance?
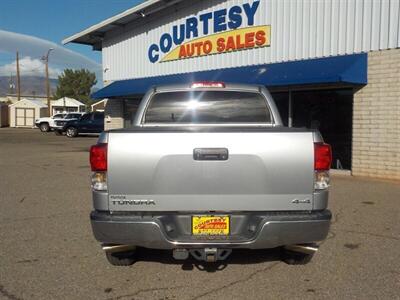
(45, 124)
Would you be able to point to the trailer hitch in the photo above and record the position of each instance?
(206, 254)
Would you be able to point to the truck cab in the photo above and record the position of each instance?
(89, 123)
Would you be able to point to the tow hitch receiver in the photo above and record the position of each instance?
(210, 254)
(206, 254)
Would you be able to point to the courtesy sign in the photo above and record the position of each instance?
(239, 39)
(222, 31)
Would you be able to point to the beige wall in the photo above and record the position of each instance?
(376, 118)
(114, 115)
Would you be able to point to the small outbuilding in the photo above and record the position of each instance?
(99, 105)
(4, 120)
(66, 104)
(24, 112)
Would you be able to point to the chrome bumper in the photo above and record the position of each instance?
(248, 230)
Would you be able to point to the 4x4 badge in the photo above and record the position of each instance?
(297, 201)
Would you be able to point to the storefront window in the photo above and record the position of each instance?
(282, 103)
(329, 111)
(130, 108)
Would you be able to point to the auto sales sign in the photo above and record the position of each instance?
(214, 32)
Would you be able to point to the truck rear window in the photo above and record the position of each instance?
(202, 107)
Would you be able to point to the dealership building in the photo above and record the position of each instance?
(331, 65)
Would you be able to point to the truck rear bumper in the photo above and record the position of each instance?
(248, 230)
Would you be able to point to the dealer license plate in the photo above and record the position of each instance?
(210, 225)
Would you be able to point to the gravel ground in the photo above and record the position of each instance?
(47, 250)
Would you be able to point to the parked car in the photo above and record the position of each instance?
(89, 123)
(45, 124)
(59, 124)
(208, 168)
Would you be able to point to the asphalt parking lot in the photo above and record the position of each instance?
(47, 250)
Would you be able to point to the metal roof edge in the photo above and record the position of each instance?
(133, 10)
(72, 100)
(98, 102)
(33, 101)
(349, 69)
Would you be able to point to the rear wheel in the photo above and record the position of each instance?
(44, 127)
(71, 132)
(121, 258)
(295, 258)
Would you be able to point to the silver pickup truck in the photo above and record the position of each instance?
(208, 167)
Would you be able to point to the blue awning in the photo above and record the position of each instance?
(348, 69)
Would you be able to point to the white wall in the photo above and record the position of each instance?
(300, 29)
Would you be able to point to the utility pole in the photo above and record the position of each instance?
(48, 85)
(46, 59)
(12, 89)
(18, 79)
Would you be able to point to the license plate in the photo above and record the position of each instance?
(210, 225)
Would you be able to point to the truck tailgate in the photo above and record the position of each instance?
(264, 171)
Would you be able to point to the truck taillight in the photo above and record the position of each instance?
(322, 157)
(98, 163)
(322, 164)
(98, 157)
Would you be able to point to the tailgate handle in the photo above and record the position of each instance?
(210, 154)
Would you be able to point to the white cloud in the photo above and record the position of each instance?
(29, 67)
(33, 48)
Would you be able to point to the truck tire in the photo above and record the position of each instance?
(71, 132)
(44, 127)
(121, 258)
(295, 258)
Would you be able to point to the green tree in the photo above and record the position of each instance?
(75, 84)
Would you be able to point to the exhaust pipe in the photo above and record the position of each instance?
(306, 249)
(117, 248)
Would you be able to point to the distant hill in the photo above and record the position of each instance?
(30, 85)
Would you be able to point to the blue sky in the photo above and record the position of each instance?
(53, 20)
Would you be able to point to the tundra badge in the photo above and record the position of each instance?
(121, 200)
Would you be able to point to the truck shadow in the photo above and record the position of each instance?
(237, 257)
